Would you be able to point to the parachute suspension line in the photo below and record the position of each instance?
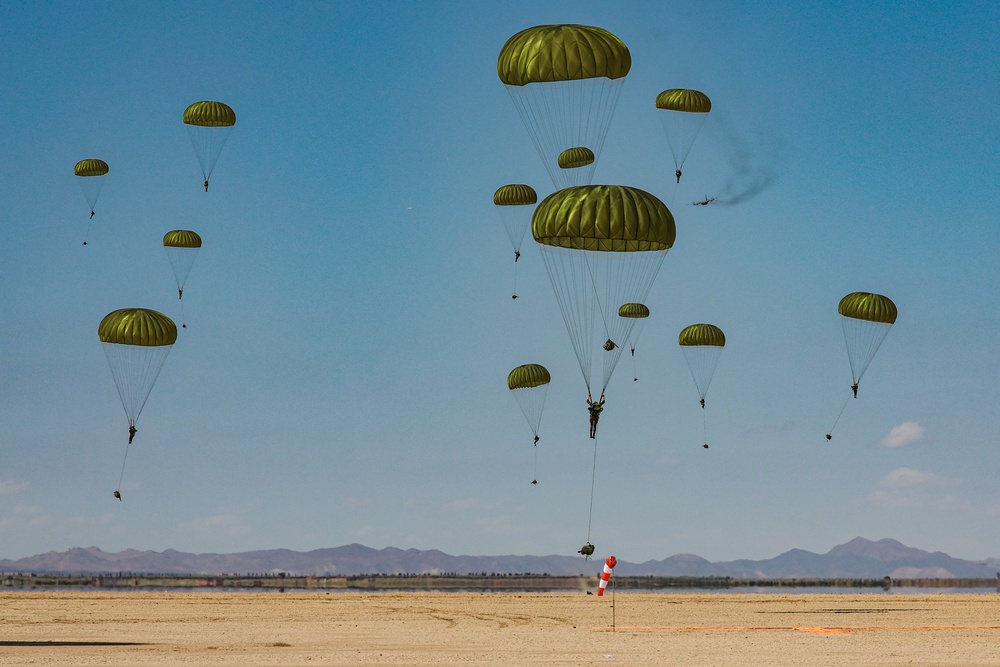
(829, 436)
(122, 475)
(704, 424)
(566, 114)
(514, 293)
(593, 480)
(576, 303)
(134, 369)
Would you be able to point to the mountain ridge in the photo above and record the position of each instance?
(857, 558)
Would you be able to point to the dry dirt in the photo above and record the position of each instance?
(690, 630)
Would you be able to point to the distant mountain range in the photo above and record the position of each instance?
(858, 558)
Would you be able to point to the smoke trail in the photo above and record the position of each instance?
(751, 169)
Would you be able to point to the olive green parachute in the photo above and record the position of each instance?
(638, 313)
(514, 204)
(576, 157)
(868, 306)
(91, 172)
(603, 246)
(516, 194)
(136, 342)
(137, 326)
(527, 376)
(683, 99)
(682, 112)
(90, 167)
(181, 238)
(210, 114)
(866, 319)
(634, 310)
(208, 125)
(576, 165)
(529, 384)
(565, 81)
(562, 53)
(614, 218)
(181, 246)
(702, 334)
(702, 345)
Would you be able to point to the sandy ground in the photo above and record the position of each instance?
(197, 628)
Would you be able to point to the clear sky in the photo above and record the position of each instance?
(350, 328)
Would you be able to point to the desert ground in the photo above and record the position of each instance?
(316, 628)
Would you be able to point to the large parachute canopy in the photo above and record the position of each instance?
(208, 124)
(867, 319)
(565, 81)
(136, 342)
(682, 112)
(603, 246)
(702, 345)
(529, 384)
(91, 173)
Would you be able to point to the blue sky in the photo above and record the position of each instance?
(350, 329)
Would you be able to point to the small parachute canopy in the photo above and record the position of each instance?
(633, 310)
(181, 246)
(210, 114)
(208, 125)
(529, 384)
(869, 307)
(603, 246)
(866, 318)
(565, 81)
(91, 172)
(90, 167)
(515, 194)
(576, 157)
(702, 346)
(682, 112)
(702, 334)
(528, 376)
(683, 99)
(181, 238)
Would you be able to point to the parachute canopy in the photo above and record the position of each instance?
(90, 167)
(702, 334)
(866, 318)
(527, 376)
(633, 310)
(574, 158)
(137, 326)
(565, 81)
(136, 342)
(869, 307)
(210, 114)
(563, 52)
(92, 172)
(515, 195)
(603, 246)
(181, 238)
(208, 125)
(702, 345)
(682, 113)
(606, 218)
(181, 246)
(529, 384)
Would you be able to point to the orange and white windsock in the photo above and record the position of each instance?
(609, 566)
